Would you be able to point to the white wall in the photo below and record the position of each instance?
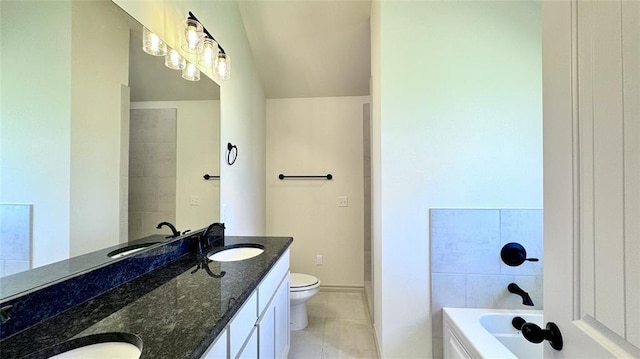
(457, 123)
(36, 120)
(242, 109)
(197, 147)
(317, 136)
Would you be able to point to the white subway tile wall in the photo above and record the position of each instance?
(466, 268)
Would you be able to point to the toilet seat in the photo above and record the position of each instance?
(299, 282)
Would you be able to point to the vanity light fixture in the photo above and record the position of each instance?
(198, 41)
(151, 43)
(208, 53)
(211, 54)
(223, 66)
(193, 33)
(174, 60)
(191, 72)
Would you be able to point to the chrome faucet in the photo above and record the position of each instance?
(175, 234)
(526, 299)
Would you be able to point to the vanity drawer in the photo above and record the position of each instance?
(242, 324)
(271, 281)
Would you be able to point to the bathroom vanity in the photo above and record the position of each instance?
(261, 326)
(182, 309)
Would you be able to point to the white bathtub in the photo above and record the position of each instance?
(488, 333)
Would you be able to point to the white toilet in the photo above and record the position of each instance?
(301, 288)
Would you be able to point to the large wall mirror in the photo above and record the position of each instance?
(100, 142)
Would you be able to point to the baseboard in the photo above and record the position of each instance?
(341, 288)
(377, 343)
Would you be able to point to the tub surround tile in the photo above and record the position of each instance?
(160, 160)
(15, 232)
(167, 195)
(136, 160)
(466, 268)
(490, 291)
(524, 227)
(194, 306)
(167, 126)
(15, 238)
(124, 199)
(464, 241)
(150, 222)
(124, 232)
(153, 161)
(9, 266)
(153, 125)
(451, 292)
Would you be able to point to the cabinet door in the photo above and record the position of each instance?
(242, 324)
(281, 301)
(250, 349)
(219, 348)
(266, 333)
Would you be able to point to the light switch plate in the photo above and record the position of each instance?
(195, 200)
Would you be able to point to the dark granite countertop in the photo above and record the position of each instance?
(176, 310)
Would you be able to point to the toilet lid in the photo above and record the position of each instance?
(299, 281)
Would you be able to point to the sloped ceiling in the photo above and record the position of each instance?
(311, 48)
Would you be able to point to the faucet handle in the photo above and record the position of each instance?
(513, 254)
(518, 322)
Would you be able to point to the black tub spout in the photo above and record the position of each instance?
(515, 289)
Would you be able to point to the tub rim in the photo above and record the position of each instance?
(479, 340)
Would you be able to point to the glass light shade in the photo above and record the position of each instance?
(151, 43)
(174, 60)
(208, 52)
(193, 33)
(191, 72)
(223, 66)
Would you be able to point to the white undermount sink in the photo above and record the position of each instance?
(98, 346)
(125, 251)
(102, 350)
(236, 253)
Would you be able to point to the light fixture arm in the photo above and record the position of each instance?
(193, 17)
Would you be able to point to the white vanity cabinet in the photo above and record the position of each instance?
(219, 348)
(273, 323)
(260, 329)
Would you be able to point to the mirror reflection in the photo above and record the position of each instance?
(100, 142)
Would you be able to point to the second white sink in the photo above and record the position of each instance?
(102, 350)
(96, 346)
(235, 254)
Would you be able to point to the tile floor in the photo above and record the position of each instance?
(339, 327)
